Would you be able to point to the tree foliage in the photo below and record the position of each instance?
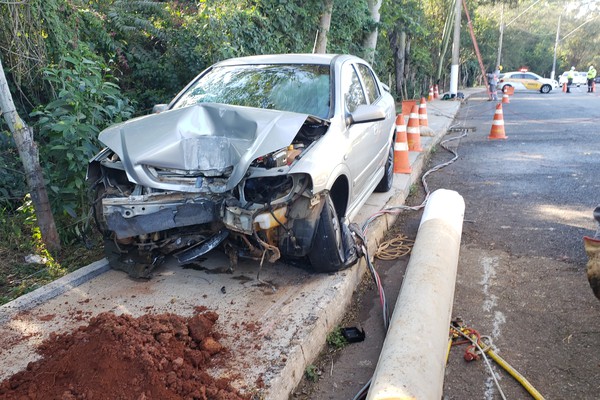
(86, 100)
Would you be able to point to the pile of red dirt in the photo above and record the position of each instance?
(121, 357)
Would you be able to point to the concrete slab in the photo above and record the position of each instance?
(274, 327)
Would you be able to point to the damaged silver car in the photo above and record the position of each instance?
(266, 157)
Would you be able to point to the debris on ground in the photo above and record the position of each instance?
(163, 356)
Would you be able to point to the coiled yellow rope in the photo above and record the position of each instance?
(394, 248)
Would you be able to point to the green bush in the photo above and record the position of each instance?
(12, 179)
(87, 99)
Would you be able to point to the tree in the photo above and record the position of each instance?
(324, 24)
(28, 152)
(370, 43)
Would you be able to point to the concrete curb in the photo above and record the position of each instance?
(51, 290)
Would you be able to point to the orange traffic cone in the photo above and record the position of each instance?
(430, 97)
(423, 113)
(436, 93)
(505, 99)
(593, 86)
(401, 163)
(564, 87)
(413, 132)
(497, 131)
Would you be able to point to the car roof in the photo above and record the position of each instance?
(319, 59)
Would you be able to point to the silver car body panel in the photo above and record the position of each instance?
(204, 139)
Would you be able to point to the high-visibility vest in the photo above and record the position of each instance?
(591, 73)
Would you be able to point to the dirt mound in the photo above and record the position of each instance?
(120, 357)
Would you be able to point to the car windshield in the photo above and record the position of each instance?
(286, 87)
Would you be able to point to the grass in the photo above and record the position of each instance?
(335, 339)
(18, 277)
(414, 189)
(311, 373)
(20, 239)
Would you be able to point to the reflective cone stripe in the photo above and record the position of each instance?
(401, 162)
(423, 113)
(505, 98)
(436, 93)
(413, 132)
(497, 131)
(430, 97)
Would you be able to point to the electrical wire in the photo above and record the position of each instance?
(475, 343)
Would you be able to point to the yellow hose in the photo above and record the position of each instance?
(515, 374)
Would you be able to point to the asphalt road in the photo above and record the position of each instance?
(521, 274)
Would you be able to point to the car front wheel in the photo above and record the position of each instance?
(545, 89)
(388, 176)
(327, 252)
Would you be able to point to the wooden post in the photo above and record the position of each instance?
(29, 154)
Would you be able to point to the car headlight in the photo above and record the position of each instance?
(279, 158)
(267, 189)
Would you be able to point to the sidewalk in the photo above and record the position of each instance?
(294, 320)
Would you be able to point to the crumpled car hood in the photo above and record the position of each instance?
(215, 139)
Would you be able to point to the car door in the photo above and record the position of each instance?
(362, 138)
(383, 128)
(531, 82)
(515, 81)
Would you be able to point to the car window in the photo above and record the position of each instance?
(297, 88)
(352, 89)
(370, 83)
(530, 76)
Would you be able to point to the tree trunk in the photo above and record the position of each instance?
(28, 152)
(445, 41)
(324, 24)
(370, 43)
(400, 59)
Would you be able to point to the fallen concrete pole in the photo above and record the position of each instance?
(412, 361)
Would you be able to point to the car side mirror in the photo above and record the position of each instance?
(367, 113)
(158, 108)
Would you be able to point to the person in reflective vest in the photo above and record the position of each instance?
(570, 76)
(591, 74)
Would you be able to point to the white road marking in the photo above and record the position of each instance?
(490, 302)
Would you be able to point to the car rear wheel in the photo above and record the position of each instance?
(327, 252)
(388, 176)
(545, 88)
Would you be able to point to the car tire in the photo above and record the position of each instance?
(327, 252)
(127, 258)
(388, 176)
(545, 88)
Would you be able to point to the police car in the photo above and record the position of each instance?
(524, 80)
